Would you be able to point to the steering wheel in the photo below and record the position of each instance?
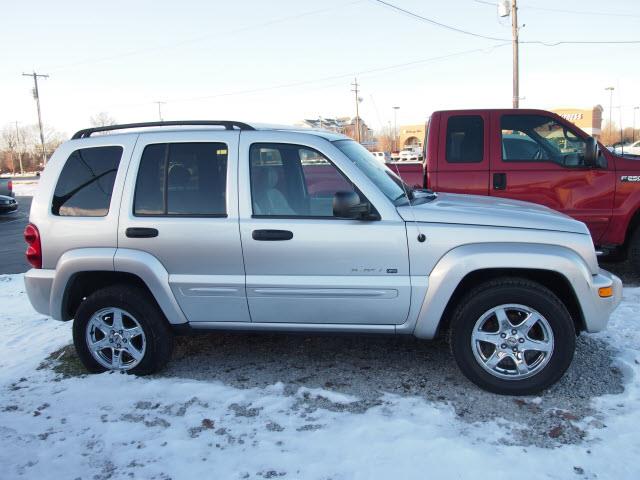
(539, 154)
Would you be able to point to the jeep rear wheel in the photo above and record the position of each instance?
(512, 336)
(121, 328)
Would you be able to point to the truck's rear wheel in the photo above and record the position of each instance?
(512, 336)
(634, 250)
(121, 328)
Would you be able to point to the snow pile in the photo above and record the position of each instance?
(24, 188)
(120, 426)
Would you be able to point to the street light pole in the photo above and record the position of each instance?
(160, 109)
(395, 128)
(610, 89)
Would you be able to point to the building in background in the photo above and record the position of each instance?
(411, 135)
(589, 120)
(344, 125)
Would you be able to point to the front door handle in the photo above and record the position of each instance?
(140, 232)
(271, 235)
(499, 181)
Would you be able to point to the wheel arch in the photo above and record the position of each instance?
(80, 272)
(554, 281)
(634, 224)
(82, 284)
(558, 268)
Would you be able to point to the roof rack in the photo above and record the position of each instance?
(227, 124)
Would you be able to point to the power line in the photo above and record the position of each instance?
(486, 37)
(438, 24)
(199, 38)
(560, 10)
(339, 76)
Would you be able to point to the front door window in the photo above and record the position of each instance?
(538, 138)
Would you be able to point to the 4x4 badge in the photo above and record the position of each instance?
(630, 178)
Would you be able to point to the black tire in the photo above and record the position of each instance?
(634, 250)
(158, 334)
(512, 291)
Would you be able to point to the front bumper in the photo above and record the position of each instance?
(597, 310)
(38, 284)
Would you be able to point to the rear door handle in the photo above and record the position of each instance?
(499, 181)
(271, 235)
(140, 232)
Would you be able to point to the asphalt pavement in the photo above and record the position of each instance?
(12, 244)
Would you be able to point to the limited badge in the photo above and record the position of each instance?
(630, 178)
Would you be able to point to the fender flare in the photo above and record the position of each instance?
(70, 263)
(143, 265)
(155, 276)
(456, 264)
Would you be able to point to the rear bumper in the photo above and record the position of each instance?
(9, 208)
(597, 310)
(38, 284)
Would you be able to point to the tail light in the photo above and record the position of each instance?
(34, 248)
(10, 185)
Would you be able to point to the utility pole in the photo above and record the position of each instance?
(610, 89)
(395, 128)
(633, 131)
(516, 65)
(356, 91)
(36, 96)
(160, 109)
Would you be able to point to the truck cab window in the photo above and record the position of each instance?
(531, 138)
(465, 139)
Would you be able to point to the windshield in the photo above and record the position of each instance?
(387, 181)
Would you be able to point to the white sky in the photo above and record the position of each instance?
(210, 59)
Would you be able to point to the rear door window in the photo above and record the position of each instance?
(182, 179)
(465, 139)
(85, 184)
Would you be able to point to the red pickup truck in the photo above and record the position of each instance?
(539, 157)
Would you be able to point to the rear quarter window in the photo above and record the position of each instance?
(86, 181)
(465, 139)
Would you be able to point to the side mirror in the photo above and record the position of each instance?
(349, 205)
(591, 152)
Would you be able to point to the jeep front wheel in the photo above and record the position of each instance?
(120, 328)
(512, 336)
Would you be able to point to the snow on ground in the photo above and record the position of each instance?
(24, 188)
(119, 426)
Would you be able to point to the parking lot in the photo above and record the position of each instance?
(12, 244)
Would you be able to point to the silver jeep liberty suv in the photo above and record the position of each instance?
(164, 228)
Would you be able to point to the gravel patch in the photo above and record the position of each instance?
(369, 367)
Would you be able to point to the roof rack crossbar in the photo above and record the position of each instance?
(227, 124)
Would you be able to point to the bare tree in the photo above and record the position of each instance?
(10, 146)
(610, 134)
(102, 119)
(384, 139)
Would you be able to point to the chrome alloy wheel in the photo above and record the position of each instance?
(115, 339)
(512, 341)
